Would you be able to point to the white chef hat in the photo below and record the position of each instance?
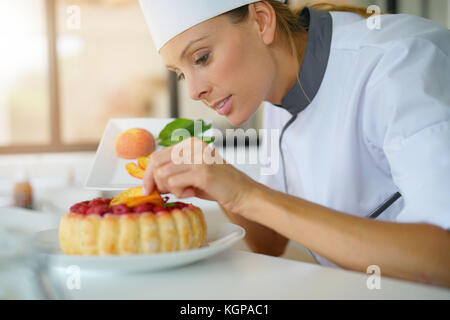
(168, 18)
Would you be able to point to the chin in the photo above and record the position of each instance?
(234, 122)
(237, 121)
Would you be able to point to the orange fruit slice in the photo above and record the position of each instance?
(134, 170)
(125, 195)
(153, 198)
(134, 196)
(143, 162)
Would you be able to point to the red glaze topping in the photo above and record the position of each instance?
(147, 207)
(96, 202)
(99, 209)
(120, 209)
(157, 209)
(100, 206)
(83, 209)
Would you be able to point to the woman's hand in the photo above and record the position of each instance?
(193, 168)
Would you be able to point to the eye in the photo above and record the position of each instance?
(203, 59)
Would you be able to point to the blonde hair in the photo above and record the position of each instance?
(288, 22)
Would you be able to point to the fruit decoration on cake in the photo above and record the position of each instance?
(132, 223)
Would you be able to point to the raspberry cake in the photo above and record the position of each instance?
(103, 227)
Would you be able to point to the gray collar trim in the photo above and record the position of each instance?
(314, 62)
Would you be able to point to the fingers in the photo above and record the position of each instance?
(163, 174)
(159, 178)
(167, 162)
(181, 185)
(157, 159)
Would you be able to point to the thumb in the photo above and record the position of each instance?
(147, 183)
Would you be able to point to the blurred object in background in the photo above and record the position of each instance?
(57, 180)
(23, 194)
(436, 10)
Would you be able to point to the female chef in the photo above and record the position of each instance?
(364, 116)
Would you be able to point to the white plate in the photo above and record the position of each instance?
(221, 236)
(108, 170)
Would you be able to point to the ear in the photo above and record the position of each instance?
(263, 14)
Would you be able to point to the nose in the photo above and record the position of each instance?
(198, 89)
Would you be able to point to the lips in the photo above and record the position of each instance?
(221, 103)
(224, 107)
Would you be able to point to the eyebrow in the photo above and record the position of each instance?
(187, 48)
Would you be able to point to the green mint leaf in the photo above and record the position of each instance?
(179, 123)
(164, 138)
(168, 142)
(170, 204)
(205, 127)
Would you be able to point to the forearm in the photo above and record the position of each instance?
(260, 239)
(417, 252)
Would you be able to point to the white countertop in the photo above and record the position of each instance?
(235, 274)
(232, 274)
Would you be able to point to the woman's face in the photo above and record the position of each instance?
(221, 61)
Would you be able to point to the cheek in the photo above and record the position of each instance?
(228, 67)
(238, 70)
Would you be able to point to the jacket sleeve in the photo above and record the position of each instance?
(407, 117)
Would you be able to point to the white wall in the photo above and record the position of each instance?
(436, 10)
(448, 13)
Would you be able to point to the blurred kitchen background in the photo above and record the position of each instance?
(67, 66)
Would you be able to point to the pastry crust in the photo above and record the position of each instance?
(133, 233)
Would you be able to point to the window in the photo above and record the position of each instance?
(71, 65)
(24, 89)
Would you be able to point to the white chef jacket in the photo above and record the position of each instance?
(378, 122)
